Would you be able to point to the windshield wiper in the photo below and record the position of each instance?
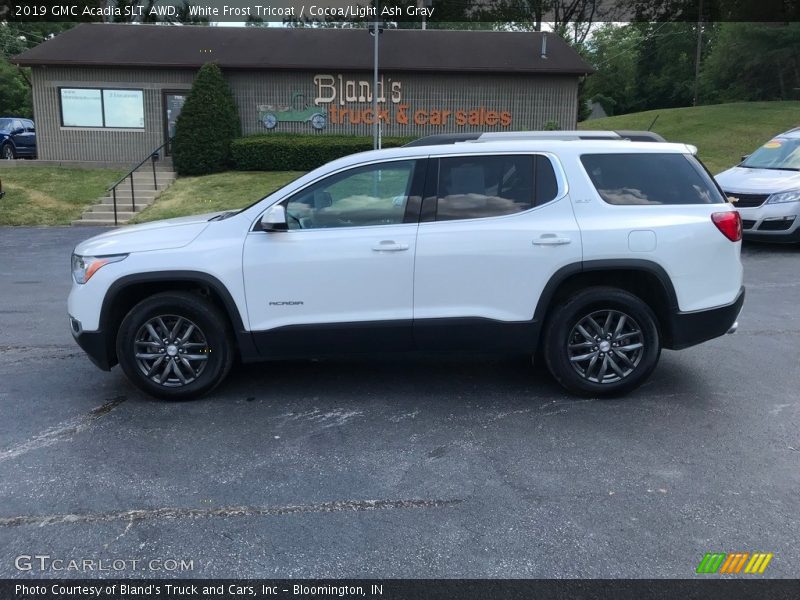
(225, 215)
(771, 168)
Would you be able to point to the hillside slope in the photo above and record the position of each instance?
(721, 132)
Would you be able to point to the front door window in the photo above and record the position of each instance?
(370, 195)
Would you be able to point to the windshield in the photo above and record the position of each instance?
(778, 153)
(5, 124)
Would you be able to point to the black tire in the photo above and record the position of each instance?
(7, 152)
(190, 375)
(584, 367)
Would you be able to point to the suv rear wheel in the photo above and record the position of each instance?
(175, 346)
(602, 342)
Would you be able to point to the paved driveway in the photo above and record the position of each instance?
(396, 467)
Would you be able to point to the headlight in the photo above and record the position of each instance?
(83, 267)
(790, 196)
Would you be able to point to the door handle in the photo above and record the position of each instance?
(389, 246)
(551, 239)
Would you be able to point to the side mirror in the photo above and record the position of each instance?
(745, 157)
(17, 131)
(274, 219)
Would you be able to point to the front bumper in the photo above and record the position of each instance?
(691, 328)
(772, 222)
(96, 344)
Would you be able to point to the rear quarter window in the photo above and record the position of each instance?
(651, 179)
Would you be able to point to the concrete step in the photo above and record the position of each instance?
(144, 194)
(109, 208)
(146, 182)
(95, 222)
(126, 196)
(147, 178)
(108, 203)
(122, 216)
(148, 174)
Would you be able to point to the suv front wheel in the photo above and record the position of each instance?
(602, 342)
(175, 346)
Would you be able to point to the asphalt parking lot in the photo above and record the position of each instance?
(391, 467)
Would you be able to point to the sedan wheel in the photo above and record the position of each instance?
(8, 152)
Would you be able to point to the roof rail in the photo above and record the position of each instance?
(494, 136)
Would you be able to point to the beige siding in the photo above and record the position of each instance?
(67, 143)
(531, 100)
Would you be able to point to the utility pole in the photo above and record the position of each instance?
(426, 4)
(376, 31)
(699, 51)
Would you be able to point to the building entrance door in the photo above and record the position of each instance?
(173, 103)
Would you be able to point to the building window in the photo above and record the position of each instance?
(83, 107)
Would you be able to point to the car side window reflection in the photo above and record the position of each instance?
(370, 195)
(475, 187)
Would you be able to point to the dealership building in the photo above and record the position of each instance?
(112, 92)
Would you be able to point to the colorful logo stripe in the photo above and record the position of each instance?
(722, 563)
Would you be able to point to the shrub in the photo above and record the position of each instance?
(299, 152)
(208, 123)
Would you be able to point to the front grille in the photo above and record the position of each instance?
(748, 200)
(776, 225)
(748, 224)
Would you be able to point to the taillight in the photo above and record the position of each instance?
(729, 223)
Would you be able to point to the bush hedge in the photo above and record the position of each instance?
(208, 123)
(300, 152)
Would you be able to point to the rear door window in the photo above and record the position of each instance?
(473, 187)
(651, 179)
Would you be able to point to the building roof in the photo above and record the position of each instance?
(117, 45)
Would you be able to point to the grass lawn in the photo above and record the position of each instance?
(50, 195)
(721, 132)
(209, 193)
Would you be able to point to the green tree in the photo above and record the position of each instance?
(16, 37)
(612, 51)
(753, 61)
(15, 93)
(208, 123)
(665, 64)
(643, 66)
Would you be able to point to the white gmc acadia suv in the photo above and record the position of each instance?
(593, 254)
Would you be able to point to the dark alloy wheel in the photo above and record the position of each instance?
(602, 342)
(606, 346)
(171, 350)
(8, 152)
(175, 345)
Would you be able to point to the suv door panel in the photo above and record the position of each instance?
(332, 288)
(492, 268)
